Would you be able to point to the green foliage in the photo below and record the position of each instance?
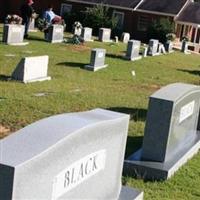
(159, 29)
(99, 16)
(42, 24)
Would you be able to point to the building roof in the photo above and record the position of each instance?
(190, 14)
(128, 4)
(172, 7)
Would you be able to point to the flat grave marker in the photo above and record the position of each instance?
(67, 156)
(172, 134)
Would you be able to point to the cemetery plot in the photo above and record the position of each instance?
(171, 134)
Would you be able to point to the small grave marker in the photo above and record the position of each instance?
(125, 37)
(32, 69)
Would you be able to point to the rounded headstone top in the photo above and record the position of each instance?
(175, 91)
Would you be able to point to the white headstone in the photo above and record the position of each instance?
(31, 69)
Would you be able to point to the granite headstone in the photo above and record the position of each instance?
(104, 35)
(97, 60)
(169, 46)
(184, 47)
(32, 69)
(171, 134)
(13, 34)
(125, 37)
(55, 33)
(153, 47)
(86, 34)
(133, 50)
(67, 156)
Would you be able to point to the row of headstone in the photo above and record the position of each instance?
(80, 161)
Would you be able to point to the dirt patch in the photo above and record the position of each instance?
(4, 131)
(152, 87)
(79, 48)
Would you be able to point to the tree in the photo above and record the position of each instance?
(99, 16)
(159, 29)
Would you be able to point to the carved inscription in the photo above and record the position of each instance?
(78, 172)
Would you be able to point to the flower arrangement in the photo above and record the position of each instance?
(171, 36)
(77, 25)
(13, 19)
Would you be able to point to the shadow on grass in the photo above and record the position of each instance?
(133, 144)
(118, 56)
(194, 72)
(136, 114)
(5, 78)
(72, 64)
(35, 38)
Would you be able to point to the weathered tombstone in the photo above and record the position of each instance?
(125, 37)
(171, 134)
(86, 34)
(13, 34)
(55, 33)
(133, 50)
(31, 69)
(68, 156)
(104, 34)
(153, 47)
(97, 59)
(184, 47)
(169, 46)
(32, 26)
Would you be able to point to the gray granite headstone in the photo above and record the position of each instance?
(153, 47)
(86, 34)
(32, 69)
(171, 134)
(104, 34)
(133, 50)
(169, 46)
(125, 37)
(97, 59)
(55, 34)
(13, 34)
(184, 47)
(67, 156)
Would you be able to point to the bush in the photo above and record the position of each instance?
(98, 17)
(159, 29)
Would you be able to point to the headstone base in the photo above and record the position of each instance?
(48, 78)
(55, 41)
(133, 59)
(150, 170)
(106, 40)
(18, 44)
(156, 54)
(94, 68)
(128, 193)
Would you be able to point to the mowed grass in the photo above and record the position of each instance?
(74, 89)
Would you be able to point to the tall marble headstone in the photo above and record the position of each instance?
(32, 26)
(55, 33)
(125, 37)
(67, 156)
(133, 50)
(32, 69)
(153, 47)
(104, 35)
(97, 60)
(171, 134)
(86, 34)
(13, 34)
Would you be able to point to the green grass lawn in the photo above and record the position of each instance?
(74, 89)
